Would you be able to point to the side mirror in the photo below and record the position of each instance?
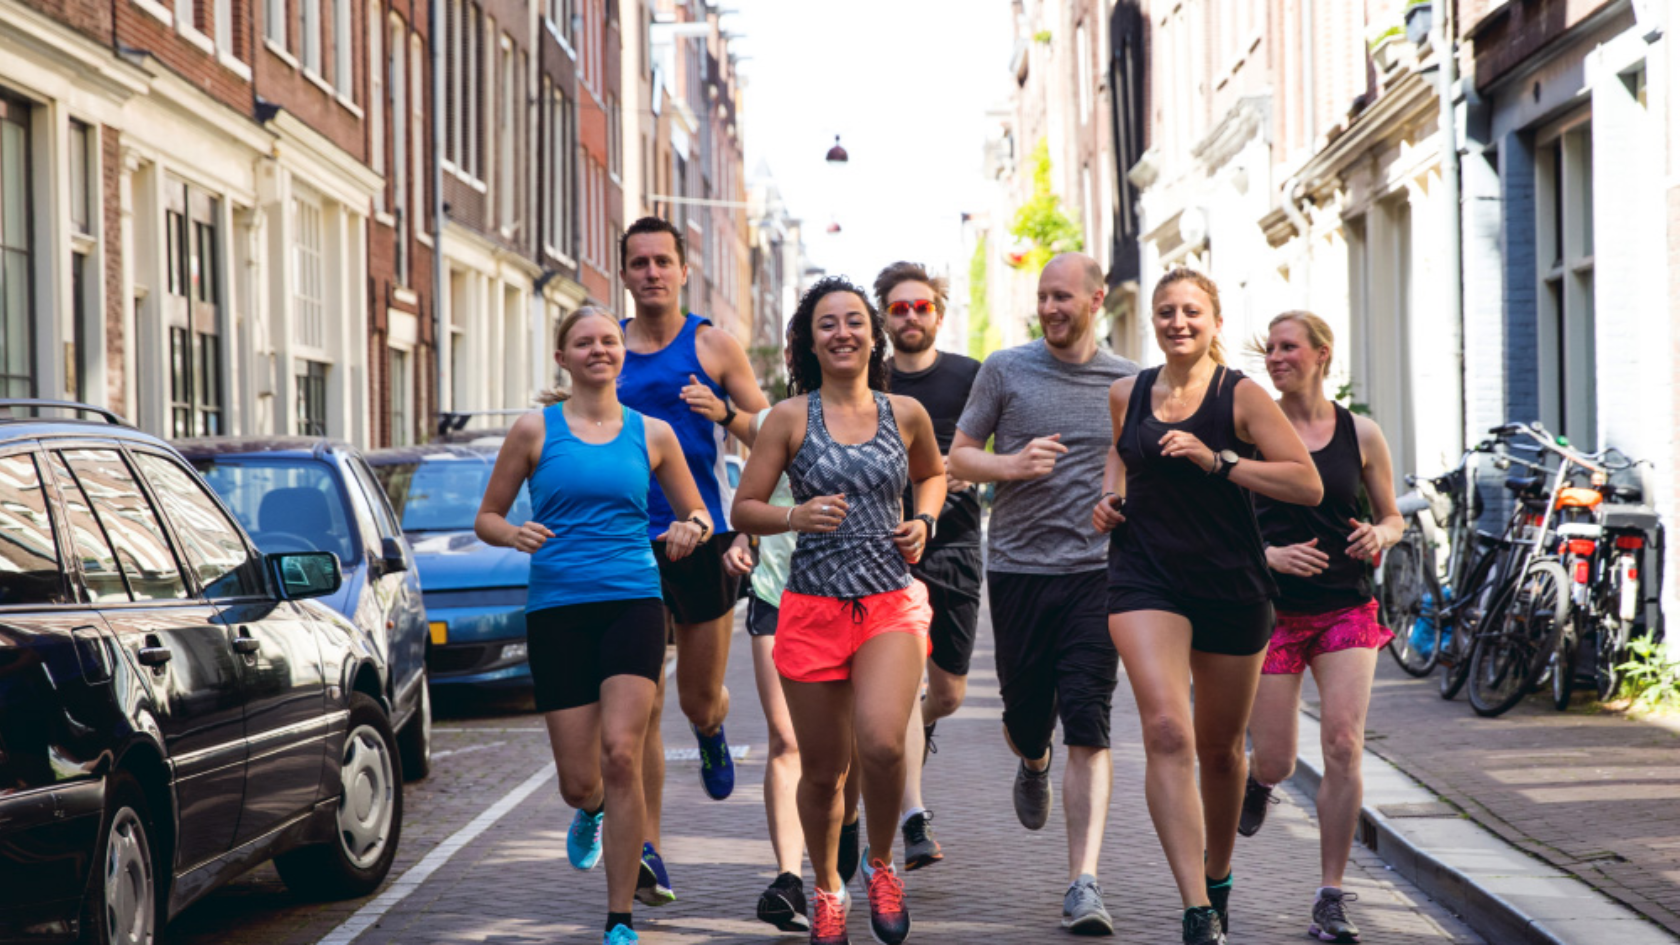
(305, 574)
(393, 556)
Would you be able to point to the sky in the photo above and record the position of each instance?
(906, 84)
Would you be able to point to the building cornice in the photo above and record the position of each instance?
(34, 36)
(1250, 116)
(1391, 118)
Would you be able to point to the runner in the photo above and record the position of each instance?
(699, 381)
(1326, 614)
(1045, 572)
(852, 631)
(914, 303)
(594, 620)
(1189, 597)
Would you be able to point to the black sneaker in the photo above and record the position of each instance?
(920, 848)
(1330, 922)
(1201, 926)
(928, 747)
(1033, 795)
(1257, 800)
(848, 858)
(1219, 894)
(783, 904)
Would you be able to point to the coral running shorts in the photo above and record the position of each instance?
(816, 637)
(1301, 638)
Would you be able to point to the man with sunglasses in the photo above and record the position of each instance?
(914, 304)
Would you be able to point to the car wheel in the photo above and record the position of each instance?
(121, 906)
(415, 741)
(368, 819)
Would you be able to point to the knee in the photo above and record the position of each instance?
(578, 791)
(1273, 770)
(1342, 748)
(1167, 737)
(880, 754)
(618, 763)
(1220, 760)
(942, 702)
(699, 707)
(782, 744)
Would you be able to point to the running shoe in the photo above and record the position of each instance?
(620, 935)
(928, 747)
(1082, 908)
(847, 860)
(828, 917)
(1330, 920)
(583, 841)
(1201, 926)
(889, 917)
(1219, 894)
(783, 904)
(653, 886)
(1033, 795)
(1257, 800)
(920, 848)
(717, 768)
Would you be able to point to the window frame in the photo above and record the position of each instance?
(69, 564)
(189, 580)
(254, 557)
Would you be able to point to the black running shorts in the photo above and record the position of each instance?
(573, 648)
(952, 576)
(698, 588)
(761, 616)
(1054, 657)
(1216, 626)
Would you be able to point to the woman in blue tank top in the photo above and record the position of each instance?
(594, 621)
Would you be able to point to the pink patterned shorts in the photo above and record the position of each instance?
(1301, 638)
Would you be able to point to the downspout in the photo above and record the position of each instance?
(1448, 122)
(434, 30)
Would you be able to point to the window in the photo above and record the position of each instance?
(383, 516)
(99, 480)
(505, 124)
(287, 505)
(224, 26)
(309, 26)
(376, 90)
(274, 21)
(456, 100)
(82, 174)
(442, 495)
(308, 291)
(343, 72)
(83, 171)
(1563, 197)
(29, 568)
(417, 151)
(211, 544)
(1082, 44)
(401, 392)
(195, 388)
(399, 149)
(312, 399)
(615, 141)
(191, 308)
(474, 88)
(17, 337)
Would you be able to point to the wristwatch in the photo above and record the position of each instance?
(1227, 461)
(729, 414)
(705, 529)
(928, 520)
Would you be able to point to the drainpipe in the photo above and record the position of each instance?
(434, 29)
(1447, 80)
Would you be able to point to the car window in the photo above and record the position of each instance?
(286, 505)
(129, 523)
(100, 574)
(382, 514)
(29, 568)
(363, 513)
(211, 543)
(444, 494)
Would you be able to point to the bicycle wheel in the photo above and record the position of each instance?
(1611, 653)
(1416, 645)
(1563, 669)
(1508, 660)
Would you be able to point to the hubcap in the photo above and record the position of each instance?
(366, 807)
(129, 897)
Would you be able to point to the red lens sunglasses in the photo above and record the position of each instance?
(902, 308)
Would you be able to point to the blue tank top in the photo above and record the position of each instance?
(652, 384)
(590, 495)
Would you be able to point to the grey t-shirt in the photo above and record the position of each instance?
(1043, 526)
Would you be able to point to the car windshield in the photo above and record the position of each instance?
(443, 495)
(286, 505)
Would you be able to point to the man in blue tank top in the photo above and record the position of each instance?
(698, 379)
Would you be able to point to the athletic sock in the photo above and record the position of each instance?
(909, 814)
(1325, 891)
(616, 919)
(597, 811)
(1222, 883)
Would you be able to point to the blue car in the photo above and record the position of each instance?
(475, 593)
(297, 494)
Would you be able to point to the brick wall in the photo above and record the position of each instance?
(116, 304)
(90, 17)
(138, 29)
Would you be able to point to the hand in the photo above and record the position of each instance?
(1181, 443)
(1038, 458)
(1303, 560)
(952, 483)
(1106, 517)
(1366, 540)
(531, 536)
(822, 514)
(738, 560)
(911, 539)
(681, 539)
(703, 401)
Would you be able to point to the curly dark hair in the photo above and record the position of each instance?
(804, 371)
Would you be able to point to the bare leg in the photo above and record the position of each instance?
(822, 723)
(653, 768)
(624, 718)
(885, 675)
(781, 771)
(1344, 692)
(1224, 695)
(1086, 782)
(702, 658)
(1273, 727)
(945, 694)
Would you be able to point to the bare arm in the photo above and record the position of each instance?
(514, 465)
(1287, 474)
(671, 469)
(927, 472)
(725, 359)
(1107, 515)
(970, 461)
(1369, 538)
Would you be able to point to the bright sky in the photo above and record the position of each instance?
(906, 84)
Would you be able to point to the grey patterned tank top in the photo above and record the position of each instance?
(859, 558)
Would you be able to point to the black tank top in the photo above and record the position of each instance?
(1347, 581)
(1188, 533)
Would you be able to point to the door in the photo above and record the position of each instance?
(398, 589)
(175, 642)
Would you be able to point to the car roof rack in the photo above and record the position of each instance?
(71, 405)
(453, 421)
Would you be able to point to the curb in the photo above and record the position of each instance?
(1503, 893)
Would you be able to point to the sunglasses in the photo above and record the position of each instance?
(920, 307)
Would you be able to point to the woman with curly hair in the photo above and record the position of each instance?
(851, 635)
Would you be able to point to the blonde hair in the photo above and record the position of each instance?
(1318, 332)
(1202, 281)
(555, 395)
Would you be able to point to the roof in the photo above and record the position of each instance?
(294, 447)
(396, 455)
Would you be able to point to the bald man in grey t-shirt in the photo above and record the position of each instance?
(1046, 403)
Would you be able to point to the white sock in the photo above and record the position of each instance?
(1325, 891)
(909, 814)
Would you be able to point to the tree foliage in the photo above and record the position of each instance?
(982, 337)
(1041, 222)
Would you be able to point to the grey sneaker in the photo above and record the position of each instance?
(1033, 794)
(1082, 908)
(1257, 799)
(1330, 920)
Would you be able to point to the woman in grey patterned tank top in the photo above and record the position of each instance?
(852, 631)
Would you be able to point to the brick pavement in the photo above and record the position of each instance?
(1588, 791)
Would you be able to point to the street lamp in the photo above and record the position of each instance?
(837, 159)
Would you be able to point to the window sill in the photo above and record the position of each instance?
(469, 180)
(83, 243)
(350, 106)
(320, 83)
(406, 297)
(234, 65)
(425, 239)
(192, 35)
(385, 219)
(158, 10)
(280, 53)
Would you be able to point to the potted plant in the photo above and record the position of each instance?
(1384, 43)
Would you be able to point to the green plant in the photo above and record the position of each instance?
(1344, 395)
(1388, 35)
(982, 337)
(1042, 36)
(1042, 222)
(1649, 678)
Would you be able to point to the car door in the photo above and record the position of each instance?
(175, 642)
(399, 584)
(276, 654)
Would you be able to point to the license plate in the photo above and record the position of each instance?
(440, 632)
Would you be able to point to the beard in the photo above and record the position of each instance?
(917, 347)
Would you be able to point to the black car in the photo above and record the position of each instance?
(298, 493)
(175, 707)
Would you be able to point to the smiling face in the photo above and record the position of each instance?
(1185, 321)
(592, 351)
(1066, 302)
(653, 270)
(840, 334)
(1291, 360)
(911, 332)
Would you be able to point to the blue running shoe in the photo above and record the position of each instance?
(583, 841)
(717, 768)
(653, 886)
(620, 935)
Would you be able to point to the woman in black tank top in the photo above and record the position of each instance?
(1326, 616)
(1189, 593)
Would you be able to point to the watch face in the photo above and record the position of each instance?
(1229, 456)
